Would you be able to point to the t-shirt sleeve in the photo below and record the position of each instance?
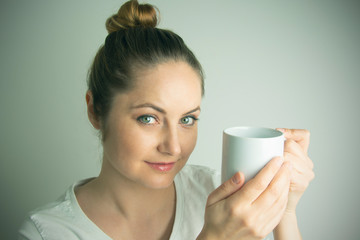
(28, 231)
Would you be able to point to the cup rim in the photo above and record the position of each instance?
(269, 132)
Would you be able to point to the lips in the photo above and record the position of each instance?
(161, 166)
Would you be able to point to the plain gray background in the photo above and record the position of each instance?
(292, 64)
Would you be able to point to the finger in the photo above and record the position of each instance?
(271, 203)
(300, 181)
(279, 184)
(252, 189)
(293, 147)
(276, 211)
(293, 150)
(226, 189)
(301, 136)
(299, 164)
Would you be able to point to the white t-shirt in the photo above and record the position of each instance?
(64, 219)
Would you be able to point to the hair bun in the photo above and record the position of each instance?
(132, 14)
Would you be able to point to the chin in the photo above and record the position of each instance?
(160, 182)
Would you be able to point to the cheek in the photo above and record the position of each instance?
(189, 142)
(135, 143)
(127, 145)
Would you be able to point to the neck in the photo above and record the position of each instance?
(131, 200)
(111, 201)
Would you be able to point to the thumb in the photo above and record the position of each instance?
(226, 189)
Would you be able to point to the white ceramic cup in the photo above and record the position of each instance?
(249, 149)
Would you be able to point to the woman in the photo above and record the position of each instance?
(144, 96)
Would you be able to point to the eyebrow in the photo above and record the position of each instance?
(156, 108)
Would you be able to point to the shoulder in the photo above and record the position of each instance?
(199, 177)
(60, 208)
(28, 230)
(51, 215)
(38, 221)
(62, 217)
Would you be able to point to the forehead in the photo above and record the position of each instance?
(168, 74)
(170, 84)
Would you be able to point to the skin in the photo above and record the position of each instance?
(267, 202)
(296, 152)
(154, 122)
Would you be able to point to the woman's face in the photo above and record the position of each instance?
(152, 129)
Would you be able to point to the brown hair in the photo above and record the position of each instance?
(133, 43)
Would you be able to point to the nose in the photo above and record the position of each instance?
(170, 144)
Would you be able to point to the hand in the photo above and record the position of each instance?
(295, 151)
(252, 211)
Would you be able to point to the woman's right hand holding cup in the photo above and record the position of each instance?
(235, 211)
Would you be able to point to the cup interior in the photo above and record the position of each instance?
(253, 132)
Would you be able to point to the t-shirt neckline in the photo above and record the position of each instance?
(178, 212)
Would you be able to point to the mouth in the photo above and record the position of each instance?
(161, 166)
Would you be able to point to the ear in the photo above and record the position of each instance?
(90, 110)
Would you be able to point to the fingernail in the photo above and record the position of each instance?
(236, 179)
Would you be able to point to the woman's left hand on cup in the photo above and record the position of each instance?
(296, 152)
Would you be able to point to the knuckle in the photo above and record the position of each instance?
(251, 224)
(248, 222)
(293, 188)
(299, 187)
(256, 232)
(253, 231)
(312, 176)
(260, 234)
(235, 212)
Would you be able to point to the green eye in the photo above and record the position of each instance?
(146, 119)
(188, 120)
